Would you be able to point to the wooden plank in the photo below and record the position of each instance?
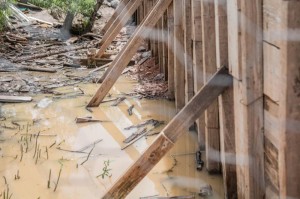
(14, 99)
(248, 100)
(170, 134)
(198, 65)
(117, 12)
(171, 71)
(289, 109)
(226, 108)
(129, 50)
(165, 45)
(188, 50)
(117, 25)
(233, 9)
(179, 55)
(212, 132)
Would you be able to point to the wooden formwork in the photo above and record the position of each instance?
(251, 131)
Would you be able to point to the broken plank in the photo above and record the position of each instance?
(129, 50)
(14, 99)
(170, 134)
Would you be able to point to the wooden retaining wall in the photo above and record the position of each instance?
(251, 134)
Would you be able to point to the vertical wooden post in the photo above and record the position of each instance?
(188, 49)
(198, 65)
(212, 131)
(165, 45)
(247, 68)
(289, 158)
(179, 55)
(171, 71)
(226, 109)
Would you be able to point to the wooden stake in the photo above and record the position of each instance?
(129, 50)
(170, 134)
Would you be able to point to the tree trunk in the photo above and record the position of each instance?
(93, 16)
(67, 26)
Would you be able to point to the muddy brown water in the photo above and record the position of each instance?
(25, 174)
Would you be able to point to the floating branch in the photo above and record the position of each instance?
(88, 156)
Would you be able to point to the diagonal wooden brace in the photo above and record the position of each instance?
(116, 14)
(117, 25)
(220, 81)
(124, 57)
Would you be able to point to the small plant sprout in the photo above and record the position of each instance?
(105, 170)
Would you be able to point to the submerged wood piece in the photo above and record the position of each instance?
(117, 25)
(86, 119)
(170, 134)
(15, 99)
(129, 50)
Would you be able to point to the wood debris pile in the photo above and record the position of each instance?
(35, 59)
(152, 82)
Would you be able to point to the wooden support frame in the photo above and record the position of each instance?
(170, 134)
(129, 50)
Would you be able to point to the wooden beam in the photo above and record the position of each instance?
(171, 78)
(117, 25)
(198, 65)
(188, 50)
(179, 55)
(247, 68)
(226, 109)
(14, 99)
(129, 50)
(212, 131)
(116, 14)
(165, 45)
(289, 113)
(170, 134)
